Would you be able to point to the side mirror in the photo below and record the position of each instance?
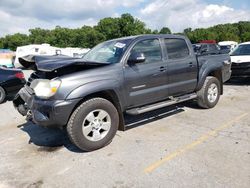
(136, 57)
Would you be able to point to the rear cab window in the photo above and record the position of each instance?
(176, 48)
(214, 47)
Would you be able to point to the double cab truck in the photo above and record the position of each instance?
(89, 96)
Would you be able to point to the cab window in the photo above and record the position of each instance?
(176, 48)
(151, 49)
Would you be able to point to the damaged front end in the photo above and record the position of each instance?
(20, 105)
(44, 112)
(37, 104)
(23, 101)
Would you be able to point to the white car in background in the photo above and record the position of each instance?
(240, 58)
(227, 46)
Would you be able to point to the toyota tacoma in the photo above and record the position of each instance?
(133, 75)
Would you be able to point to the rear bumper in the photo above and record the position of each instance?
(241, 69)
(47, 113)
(13, 86)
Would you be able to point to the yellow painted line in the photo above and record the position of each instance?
(188, 147)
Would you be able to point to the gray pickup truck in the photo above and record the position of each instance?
(133, 75)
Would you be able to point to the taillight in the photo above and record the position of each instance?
(19, 75)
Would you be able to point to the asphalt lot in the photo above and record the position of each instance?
(179, 146)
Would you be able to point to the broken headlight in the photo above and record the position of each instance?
(44, 88)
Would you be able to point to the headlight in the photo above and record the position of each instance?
(44, 88)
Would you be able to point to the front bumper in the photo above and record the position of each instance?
(47, 113)
(241, 69)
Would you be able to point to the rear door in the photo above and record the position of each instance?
(146, 82)
(181, 67)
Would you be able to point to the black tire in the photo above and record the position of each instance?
(2, 95)
(75, 124)
(203, 94)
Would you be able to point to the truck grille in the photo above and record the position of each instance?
(240, 65)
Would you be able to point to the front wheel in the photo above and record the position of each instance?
(2, 95)
(93, 124)
(209, 94)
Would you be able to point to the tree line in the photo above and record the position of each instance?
(126, 25)
(239, 32)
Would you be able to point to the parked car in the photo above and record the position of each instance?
(206, 48)
(240, 58)
(11, 81)
(227, 46)
(133, 75)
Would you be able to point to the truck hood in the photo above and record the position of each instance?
(240, 58)
(51, 63)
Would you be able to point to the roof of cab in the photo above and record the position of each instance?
(146, 36)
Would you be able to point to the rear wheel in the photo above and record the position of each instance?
(93, 124)
(209, 94)
(2, 95)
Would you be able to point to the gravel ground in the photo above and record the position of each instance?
(179, 146)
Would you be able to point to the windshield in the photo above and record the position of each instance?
(107, 52)
(243, 49)
(225, 47)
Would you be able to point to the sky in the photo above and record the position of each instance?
(22, 15)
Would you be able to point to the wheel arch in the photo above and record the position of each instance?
(217, 73)
(109, 95)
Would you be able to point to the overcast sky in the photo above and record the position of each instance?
(21, 15)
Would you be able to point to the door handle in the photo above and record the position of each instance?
(191, 64)
(162, 69)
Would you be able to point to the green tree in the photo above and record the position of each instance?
(243, 27)
(1, 42)
(165, 30)
(154, 31)
(61, 37)
(13, 41)
(109, 27)
(187, 30)
(87, 37)
(246, 37)
(39, 36)
(131, 26)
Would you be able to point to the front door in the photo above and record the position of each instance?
(146, 82)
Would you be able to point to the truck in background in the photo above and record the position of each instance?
(227, 46)
(240, 58)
